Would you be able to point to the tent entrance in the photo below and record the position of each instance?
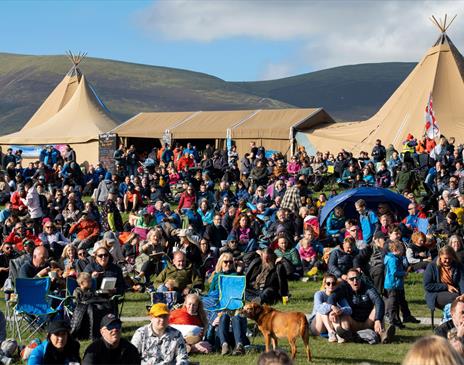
(143, 146)
(200, 144)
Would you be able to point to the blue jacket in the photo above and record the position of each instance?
(368, 223)
(334, 224)
(37, 355)
(394, 272)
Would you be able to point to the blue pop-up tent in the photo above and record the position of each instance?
(372, 196)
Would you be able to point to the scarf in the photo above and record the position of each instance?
(446, 275)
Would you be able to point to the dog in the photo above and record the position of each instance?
(275, 324)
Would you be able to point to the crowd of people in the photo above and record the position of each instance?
(171, 221)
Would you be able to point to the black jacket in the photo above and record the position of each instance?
(99, 353)
(111, 271)
(361, 302)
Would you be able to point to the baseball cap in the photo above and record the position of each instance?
(110, 319)
(58, 326)
(158, 309)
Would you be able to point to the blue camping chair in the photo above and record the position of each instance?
(34, 306)
(231, 293)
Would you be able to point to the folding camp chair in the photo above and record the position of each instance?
(231, 293)
(34, 306)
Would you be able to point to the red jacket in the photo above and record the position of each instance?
(86, 229)
(185, 161)
(16, 202)
(17, 240)
(186, 200)
(181, 316)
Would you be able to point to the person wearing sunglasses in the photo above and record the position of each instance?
(367, 309)
(323, 315)
(220, 323)
(111, 348)
(103, 267)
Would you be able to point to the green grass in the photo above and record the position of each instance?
(323, 352)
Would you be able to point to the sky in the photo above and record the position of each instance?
(236, 40)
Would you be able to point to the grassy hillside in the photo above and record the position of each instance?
(126, 88)
(347, 92)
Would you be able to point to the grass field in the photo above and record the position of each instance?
(323, 352)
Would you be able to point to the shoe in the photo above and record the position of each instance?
(387, 335)
(304, 280)
(398, 324)
(332, 337)
(411, 319)
(239, 350)
(340, 339)
(225, 349)
(344, 334)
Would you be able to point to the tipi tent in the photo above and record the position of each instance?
(72, 114)
(440, 73)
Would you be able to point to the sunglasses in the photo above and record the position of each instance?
(8, 248)
(354, 278)
(353, 230)
(113, 326)
(48, 226)
(330, 283)
(102, 255)
(228, 262)
(81, 253)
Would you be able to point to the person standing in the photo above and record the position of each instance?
(378, 152)
(32, 202)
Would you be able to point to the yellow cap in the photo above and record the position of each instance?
(158, 309)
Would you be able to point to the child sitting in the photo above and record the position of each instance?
(308, 255)
(84, 292)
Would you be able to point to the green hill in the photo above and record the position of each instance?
(126, 88)
(347, 92)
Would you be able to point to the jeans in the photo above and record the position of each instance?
(251, 246)
(239, 327)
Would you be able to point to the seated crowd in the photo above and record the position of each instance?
(192, 217)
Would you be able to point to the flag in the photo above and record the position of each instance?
(431, 126)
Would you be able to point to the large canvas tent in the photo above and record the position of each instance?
(72, 114)
(439, 73)
(275, 129)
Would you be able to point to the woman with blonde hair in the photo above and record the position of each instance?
(191, 320)
(432, 350)
(69, 260)
(226, 266)
(221, 322)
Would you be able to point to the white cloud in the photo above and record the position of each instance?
(274, 71)
(331, 32)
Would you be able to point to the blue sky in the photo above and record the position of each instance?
(231, 39)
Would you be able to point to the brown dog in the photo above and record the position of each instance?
(275, 324)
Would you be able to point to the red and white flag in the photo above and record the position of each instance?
(431, 125)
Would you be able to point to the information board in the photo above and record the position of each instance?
(107, 144)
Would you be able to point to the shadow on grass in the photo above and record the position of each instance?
(337, 360)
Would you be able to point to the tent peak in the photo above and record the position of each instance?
(75, 59)
(442, 24)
